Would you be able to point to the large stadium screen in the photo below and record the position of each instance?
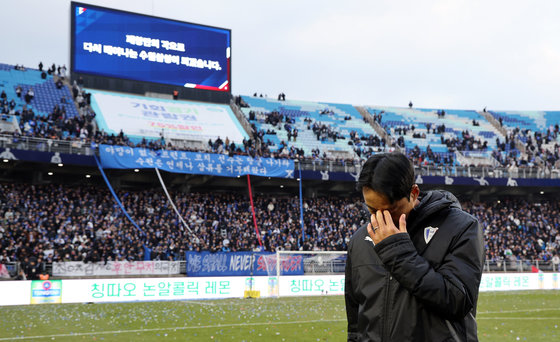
(118, 44)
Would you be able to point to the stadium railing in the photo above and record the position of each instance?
(439, 170)
(535, 265)
(45, 145)
(336, 266)
(13, 269)
(350, 166)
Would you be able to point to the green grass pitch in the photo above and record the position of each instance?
(512, 316)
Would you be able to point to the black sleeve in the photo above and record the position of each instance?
(452, 290)
(351, 303)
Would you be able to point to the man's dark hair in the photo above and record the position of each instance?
(390, 174)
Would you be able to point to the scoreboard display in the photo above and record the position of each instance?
(124, 45)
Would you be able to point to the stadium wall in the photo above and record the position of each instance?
(198, 288)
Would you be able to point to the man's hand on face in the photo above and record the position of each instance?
(382, 226)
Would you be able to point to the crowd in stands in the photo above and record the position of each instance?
(467, 142)
(41, 224)
(322, 132)
(45, 223)
(7, 106)
(57, 124)
(420, 157)
(518, 229)
(251, 147)
(542, 150)
(60, 71)
(377, 117)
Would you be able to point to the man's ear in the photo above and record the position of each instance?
(414, 193)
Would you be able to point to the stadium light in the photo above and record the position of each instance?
(542, 192)
(88, 176)
(281, 186)
(50, 173)
(6, 160)
(136, 170)
(60, 165)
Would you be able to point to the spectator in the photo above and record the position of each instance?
(556, 263)
(29, 95)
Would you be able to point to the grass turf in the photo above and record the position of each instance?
(512, 316)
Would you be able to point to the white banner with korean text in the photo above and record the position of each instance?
(196, 288)
(144, 117)
(114, 268)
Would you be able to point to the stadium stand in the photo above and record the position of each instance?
(432, 136)
(315, 129)
(47, 94)
(538, 131)
(45, 223)
(518, 229)
(536, 121)
(297, 129)
(41, 107)
(41, 223)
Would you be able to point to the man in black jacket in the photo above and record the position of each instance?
(413, 273)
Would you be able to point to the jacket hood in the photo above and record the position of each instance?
(431, 202)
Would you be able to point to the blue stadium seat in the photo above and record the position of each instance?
(300, 110)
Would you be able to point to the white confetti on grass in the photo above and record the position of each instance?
(166, 329)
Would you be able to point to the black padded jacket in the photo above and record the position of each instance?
(420, 286)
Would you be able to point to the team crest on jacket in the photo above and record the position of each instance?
(429, 233)
(369, 239)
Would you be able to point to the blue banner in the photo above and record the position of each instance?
(206, 264)
(46, 157)
(122, 157)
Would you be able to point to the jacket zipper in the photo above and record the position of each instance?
(452, 331)
(386, 321)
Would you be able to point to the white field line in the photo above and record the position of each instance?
(166, 329)
(518, 318)
(515, 311)
(247, 302)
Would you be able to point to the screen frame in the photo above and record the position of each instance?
(74, 4)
